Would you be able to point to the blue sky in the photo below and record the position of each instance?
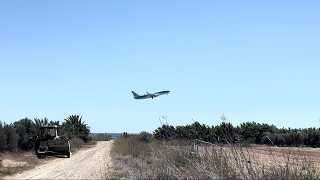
(251, 60)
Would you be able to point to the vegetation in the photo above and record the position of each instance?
(135, 158)
(21, 135)
(249, 132)
(74, 127)
(17, 162)
(198, 151)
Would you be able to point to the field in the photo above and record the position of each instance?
(139, 157)
(11, 163)
(134, 158)
(298, 155)
(267, 158)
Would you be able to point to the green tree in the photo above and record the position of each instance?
(23, 141)
(12, 137)
(3, 138)
(27, 131)
(145, 136)
(254, 132)
(74, 127)
(40, 122)
(226, 133)
(165, 132)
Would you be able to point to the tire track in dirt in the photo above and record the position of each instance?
(92, 163)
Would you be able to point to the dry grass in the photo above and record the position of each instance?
(76, 144)
(303, 158)
(133, 159)
(263, 162)
(17, 162)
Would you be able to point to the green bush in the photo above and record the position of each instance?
(76, 143)
(145, 136)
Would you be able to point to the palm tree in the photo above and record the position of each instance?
(41, 122)
(74, 127)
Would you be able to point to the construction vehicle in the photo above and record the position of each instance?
(49, 143)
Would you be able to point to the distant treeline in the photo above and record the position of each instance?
(249, 132)
(21, 135)
(111, 135)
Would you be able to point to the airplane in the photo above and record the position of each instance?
(148, 95)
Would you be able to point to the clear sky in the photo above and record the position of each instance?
(251, 60)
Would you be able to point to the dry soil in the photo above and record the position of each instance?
(92, 163)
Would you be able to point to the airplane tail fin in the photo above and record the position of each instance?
(134, 94)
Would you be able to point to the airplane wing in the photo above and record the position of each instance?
(153, 95)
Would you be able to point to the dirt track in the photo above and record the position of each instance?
(92, 163)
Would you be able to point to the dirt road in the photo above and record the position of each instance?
(93, 163)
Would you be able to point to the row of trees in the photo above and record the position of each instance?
(22, 134)
(249, 132)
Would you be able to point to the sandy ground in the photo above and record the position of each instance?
(297, 155)
(92, 163)
(271, 155)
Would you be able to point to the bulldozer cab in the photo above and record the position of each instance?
(49, 131)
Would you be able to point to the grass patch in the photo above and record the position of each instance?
(10, 170)
(131, 146)
(76, 144)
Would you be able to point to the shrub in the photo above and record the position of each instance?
(145, 136)
(131, 146)
(76, 143)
